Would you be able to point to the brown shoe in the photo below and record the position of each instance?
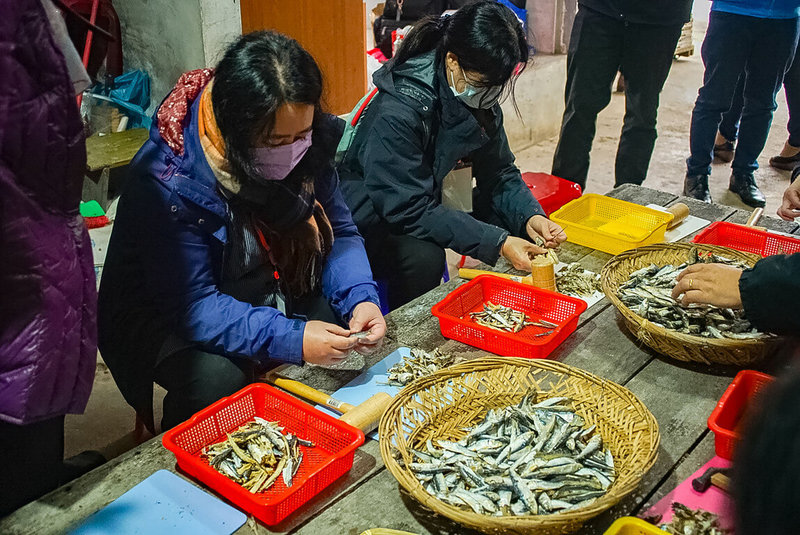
(724, 152)
(784, 162)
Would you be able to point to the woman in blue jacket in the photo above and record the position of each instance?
(233, 248)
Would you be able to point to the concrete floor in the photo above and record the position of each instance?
(109, 421)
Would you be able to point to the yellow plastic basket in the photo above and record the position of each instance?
(611, 225)
(629, 525)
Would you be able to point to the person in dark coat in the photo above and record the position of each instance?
(233, 249)
(436, 105)
(755, 40)
(48, 339)
(638, 39)
(767, 292)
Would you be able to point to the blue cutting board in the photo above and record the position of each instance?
(370, 382)
(164, 503)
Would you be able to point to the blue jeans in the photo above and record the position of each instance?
(729, 127)
(737, 45)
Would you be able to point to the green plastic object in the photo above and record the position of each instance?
(91, 209)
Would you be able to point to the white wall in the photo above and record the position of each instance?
(169, 37)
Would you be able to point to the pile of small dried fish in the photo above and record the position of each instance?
(648, 293)
(256, 454)
(574, 280)
(526, 459)
(507, 319)
(418, 364)
(686, 521)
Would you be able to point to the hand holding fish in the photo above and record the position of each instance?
(713, 284)
(367, 318)
(552, 233)
(791, 202)
(325, 343)
(519, 252)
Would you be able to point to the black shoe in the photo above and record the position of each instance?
(696, 186)
(724, 151)
(744, 185)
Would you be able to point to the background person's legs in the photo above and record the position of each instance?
(729, 126)
(724, 51)
(34, 456)
(593, 59)
(766, 64)
(646, 60)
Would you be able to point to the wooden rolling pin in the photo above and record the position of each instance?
(306, 392)
(680, 212)
(365, 416)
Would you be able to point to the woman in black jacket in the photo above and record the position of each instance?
(436, 106)
(767, 292)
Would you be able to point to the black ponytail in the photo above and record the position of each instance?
(485, 36)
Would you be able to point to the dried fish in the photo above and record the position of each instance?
(576, 281)
(535, 457)
(686, 521)
(551, 253)
(419, 363)
(256, 454)
(507, 319)
(648, 293)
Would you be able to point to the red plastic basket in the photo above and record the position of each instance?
(455, 322)
(727, 415)
(747, 239)
(551, 191)
(335, 443)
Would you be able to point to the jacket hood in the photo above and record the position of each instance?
(414, 82)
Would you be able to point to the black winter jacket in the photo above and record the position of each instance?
(411, 135)
(769, 294)
(658, 12)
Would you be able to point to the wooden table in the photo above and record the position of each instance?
(104, 153)
(681, 396)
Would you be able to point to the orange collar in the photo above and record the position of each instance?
(207, 122)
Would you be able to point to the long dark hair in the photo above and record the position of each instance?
(485, 36)
(260, 72)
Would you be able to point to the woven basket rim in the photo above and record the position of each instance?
(692, 343)
(558, 521)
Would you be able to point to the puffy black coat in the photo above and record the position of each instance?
(409, 138)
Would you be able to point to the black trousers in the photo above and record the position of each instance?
(408, 266)
(33, 465)
(599, 47)
(195, 378)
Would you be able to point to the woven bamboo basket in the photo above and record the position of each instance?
(685, 347)
(441, 405)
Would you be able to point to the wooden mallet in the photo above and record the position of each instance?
(365, 416)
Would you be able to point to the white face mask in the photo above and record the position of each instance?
(475, 97)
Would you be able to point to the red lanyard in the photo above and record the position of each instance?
(263, 241)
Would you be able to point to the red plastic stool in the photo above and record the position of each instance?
(551, 191)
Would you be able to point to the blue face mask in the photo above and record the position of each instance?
(475, 97)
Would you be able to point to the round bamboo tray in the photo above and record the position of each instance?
(441, 405)
(685, 347)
